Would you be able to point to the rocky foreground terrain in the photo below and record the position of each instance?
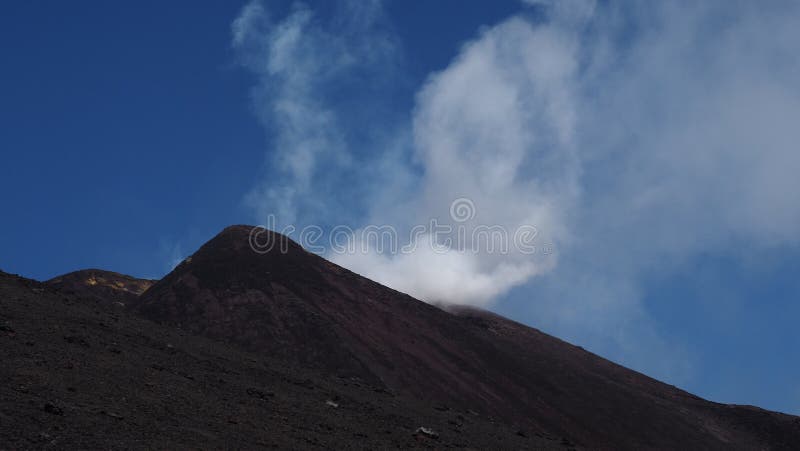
(80, 373)
(237, 349)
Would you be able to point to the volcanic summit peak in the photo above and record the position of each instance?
(258, 239)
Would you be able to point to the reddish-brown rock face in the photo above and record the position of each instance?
(298, 306)
(101, 284)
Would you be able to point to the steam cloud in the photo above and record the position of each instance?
(632, 136)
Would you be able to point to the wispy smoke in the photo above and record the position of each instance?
(632, 136)
(315, 81)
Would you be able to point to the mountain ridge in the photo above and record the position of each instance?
(101, 284)
(304, 308)
(306, 315)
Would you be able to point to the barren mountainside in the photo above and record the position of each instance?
(301, 307)
(285, 349)
(84, 373)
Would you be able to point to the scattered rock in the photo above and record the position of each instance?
(76, 340)
(332, 403)
(113, 415)
(260, 394)
(384, 391)
(53, 409)
(426, 432)
(305, 383)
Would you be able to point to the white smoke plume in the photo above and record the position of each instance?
(496, 127)
(632, 136)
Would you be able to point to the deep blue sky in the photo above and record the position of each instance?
(128, 137)
(127, 129)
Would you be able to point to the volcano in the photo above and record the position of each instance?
(294, 305)
(243, 346)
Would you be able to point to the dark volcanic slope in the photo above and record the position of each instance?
(101, 284)
(588, 383)
(298, 306)
(83, 373)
